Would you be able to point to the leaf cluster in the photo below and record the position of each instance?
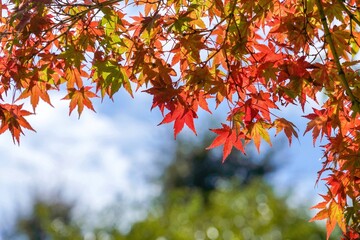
(252, 56)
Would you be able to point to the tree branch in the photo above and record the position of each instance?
(351, 15)
(330, 41)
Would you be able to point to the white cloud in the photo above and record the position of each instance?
(91, 159)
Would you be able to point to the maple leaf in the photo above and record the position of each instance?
(332, 212)
(80, 98)
(258, 131)
(229, 138)
(191, 43)
(202, 101)
(110, 77)
(250, 113)
(37, 90)
(320, 123)
(180, 116)
(12, 119)
(281, 124)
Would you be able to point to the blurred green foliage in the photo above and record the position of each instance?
(201, 199)
(50, 219)
(252, 212)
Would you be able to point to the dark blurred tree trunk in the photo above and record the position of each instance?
(194, 167)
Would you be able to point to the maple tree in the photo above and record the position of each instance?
(254, 56)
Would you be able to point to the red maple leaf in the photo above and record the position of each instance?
(12, 119)
(229, 138)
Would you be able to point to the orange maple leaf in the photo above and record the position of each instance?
(281, 124)
(80, 98)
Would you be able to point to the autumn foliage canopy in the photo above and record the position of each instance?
(254, 56)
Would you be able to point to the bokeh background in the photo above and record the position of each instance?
(115, 174)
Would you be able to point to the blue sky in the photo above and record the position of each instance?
(102, 156)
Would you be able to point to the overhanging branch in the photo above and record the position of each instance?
(329, 40)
